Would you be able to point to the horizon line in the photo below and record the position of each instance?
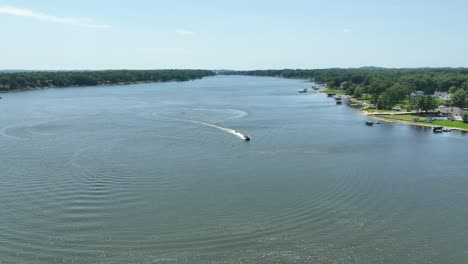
(222, 69)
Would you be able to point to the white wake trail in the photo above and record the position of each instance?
(224, 129)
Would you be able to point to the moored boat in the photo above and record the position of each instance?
(437, 129)
(369, 123)
(338, 100)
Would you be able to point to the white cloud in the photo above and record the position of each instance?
(347, 30)
(184, 32)
(82, 22)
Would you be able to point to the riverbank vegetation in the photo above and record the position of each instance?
(421, 118)
(32, 80)
(385, 88)
(333, 91)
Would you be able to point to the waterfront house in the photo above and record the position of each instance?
(417, 94)
(444, 96)
(451, 111)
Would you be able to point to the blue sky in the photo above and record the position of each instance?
(241, 34)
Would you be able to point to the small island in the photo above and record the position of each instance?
(421, 96)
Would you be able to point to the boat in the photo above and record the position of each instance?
(242, 136)
(331, 94)
(339, 100)
(303, 91)
(369, 123)
(437, 129)
(316, 88)
(446, 129)
(356, 105)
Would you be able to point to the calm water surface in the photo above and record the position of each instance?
(146, 174)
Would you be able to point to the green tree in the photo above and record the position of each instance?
(465, 86)
(3, 82)
(357, 92)
(459, 99)
(431, 103)
(21, 81)
(411, 106)
(395, 94)
(377, 87)
(426, 103)
(452, 89)
(25, 80)
(383, 102)
(346, 85)
(350, 89)
(465, 118)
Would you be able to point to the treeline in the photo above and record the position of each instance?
(30, 80)
(386, 87)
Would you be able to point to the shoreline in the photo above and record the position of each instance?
(377, 116)
(394, 120)
(97, 85)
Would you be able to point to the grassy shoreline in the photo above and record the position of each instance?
(333, 91)
(393, 118)
(403, 117)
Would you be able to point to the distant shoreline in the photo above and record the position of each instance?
(76, 86)
(26, 81)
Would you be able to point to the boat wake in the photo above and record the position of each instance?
(224, 129)
(227, 130)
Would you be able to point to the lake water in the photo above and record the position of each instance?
(145, 174)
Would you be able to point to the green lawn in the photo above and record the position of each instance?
(333, 90)
(366, 99)
(362, 99)
(444, 123)
(404, 104)
(404, 117)
(448, 123)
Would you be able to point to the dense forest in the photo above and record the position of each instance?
(30, 80)
(385, 87)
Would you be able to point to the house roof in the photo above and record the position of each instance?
(455, 111)
(417, 93)
(442, 94)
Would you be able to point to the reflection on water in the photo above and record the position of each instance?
(146, 174)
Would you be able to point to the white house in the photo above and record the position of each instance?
(444, 96)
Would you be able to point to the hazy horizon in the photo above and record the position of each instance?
(244, 35)
(237, 70)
